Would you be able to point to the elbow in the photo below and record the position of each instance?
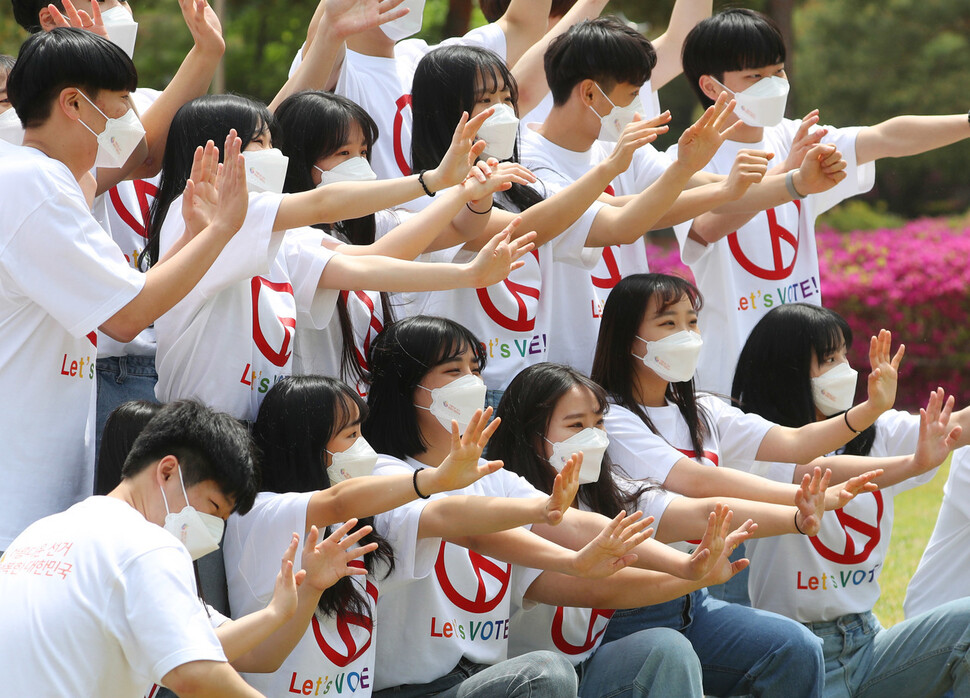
(120, 331)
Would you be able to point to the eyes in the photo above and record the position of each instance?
(496, 98)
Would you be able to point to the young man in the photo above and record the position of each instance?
(101, 600)
(62, 276)
(749, 266)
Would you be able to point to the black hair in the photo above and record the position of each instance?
(448, 81)
(51, 61)
(603, 49)
(209, 445)
(27, 12)
(613, 362)
(399, 358)
(526, 409)
(773, 375)
(494, 9)
(121, 429)
(207, 118)
(298, 418)
(735, 39)
(315, 125)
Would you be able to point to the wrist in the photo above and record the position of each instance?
(862, 416)
(795, 184)
(430, 181)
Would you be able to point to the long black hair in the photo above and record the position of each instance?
(315, 125)
(121, 429)
(526, 409)
(207, 118)
(773, 377)
(448, 81)
(296, 421)
(613, 362)
(399, 358)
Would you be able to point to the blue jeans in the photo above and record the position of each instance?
(120, 379)
(735, 590)
(656, 661)
(922, 656)
(742, 650)
(533, 675)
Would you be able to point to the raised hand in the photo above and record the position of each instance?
(837, 496)
(204, 25)
(822, 168)
(564, 489)
(349, 17)
(885, 371)
(609, 551)
(460, 468)
(701, 141)
(201, 196)
(461, 155)
(500, 256)
(327, 562)
(723, 569)
(750, 167)
(231, 184)
(488, 177)
(936, 437)
(285, 599)
(810, 501)
(79, 19)
(712, 544)
(805, 140)
(636, 135)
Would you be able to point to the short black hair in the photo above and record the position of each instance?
(736, 39)
(603, 49)
(65, 57)
(27, 12)
(209, 445)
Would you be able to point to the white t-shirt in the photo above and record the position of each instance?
(940, 577)
(97, 601)
(335, 653)
(578, 296)
(769, 261)
(230, 339)
(837, 572)
(61, 277)
(461, 610)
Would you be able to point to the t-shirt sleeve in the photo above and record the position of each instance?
(636, 450)
(306, 259)
(414, 557)
(522, 578)
(859, 178)
(739, 434)
(569, 247)
(157, 617)
(88, 279)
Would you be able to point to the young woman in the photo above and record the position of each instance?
(426, 372)
(308, 431)
(793, 370)
(231, 338)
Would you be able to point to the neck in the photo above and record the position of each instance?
(649, 389)
(129, 493)
(560, 127)
(747, 134)
(439, 444)
(76, 153)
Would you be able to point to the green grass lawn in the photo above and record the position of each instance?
(916, 511)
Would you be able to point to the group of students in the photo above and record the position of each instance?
(398, 326)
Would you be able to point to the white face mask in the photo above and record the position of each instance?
(762, 104)
(592, 443)
(265, 170)
(499, 132)
(122, 29)
(673, 358)
(457, 401)
(11, 129)
(350, 170)
(200, 533)
(834, 390)
(118, 140)
(409, 24)
(612, 125)
(357, 460)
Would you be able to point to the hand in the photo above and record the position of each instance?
(460, 468)
(231, 183)
(723, 569)
(609, 551)
(885, 372)
(712, 544)
(750, 167)
(822, 168)
(805, 140)
(837, 496)
(488, 177)
(936, 438)
(79, 19)
(345, 18)
(284, 601)
(636, 135)
(564, 490)
(200, 200)
(499, 257)
(701, 141)
(461, 154)
(327, 562)
(810, 501)
(204, 25)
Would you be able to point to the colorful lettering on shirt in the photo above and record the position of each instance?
(805, 580)
(497, 629)
(352, 681)
(80, 367)
(501, 348)
(796, 292)
(257, 381)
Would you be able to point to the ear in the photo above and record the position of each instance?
(165, 469)
(69, 102)
(46, 19)
(587, 91)
(709, 87)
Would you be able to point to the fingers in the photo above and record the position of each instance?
(470, 129)
(289, 555)
(355, 553)
(521, 246)
(899, 356)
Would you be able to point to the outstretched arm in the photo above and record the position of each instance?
(909, 135)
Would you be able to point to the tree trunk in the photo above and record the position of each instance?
(782, 12)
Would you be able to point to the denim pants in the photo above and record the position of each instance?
(651, 662)
(920, 657)
(742, 650)
(533, 675)
(120, 379)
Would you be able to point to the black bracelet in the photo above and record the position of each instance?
(845, 418)
(796, 524)
(423, 185)
(414, 482)
(468, 205)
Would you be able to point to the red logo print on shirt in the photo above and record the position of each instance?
(403, 102)
(143, 190)
(777, 235)
(271, 297)
(525, 316)
(612, 269)
(346, 623)
(594, 631)
(709, 456)
(357, 300)
(484, 600)
(871, 533)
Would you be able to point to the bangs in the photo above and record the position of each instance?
(746, 43)
(671, 289)
(492, 77)
(828, 333)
